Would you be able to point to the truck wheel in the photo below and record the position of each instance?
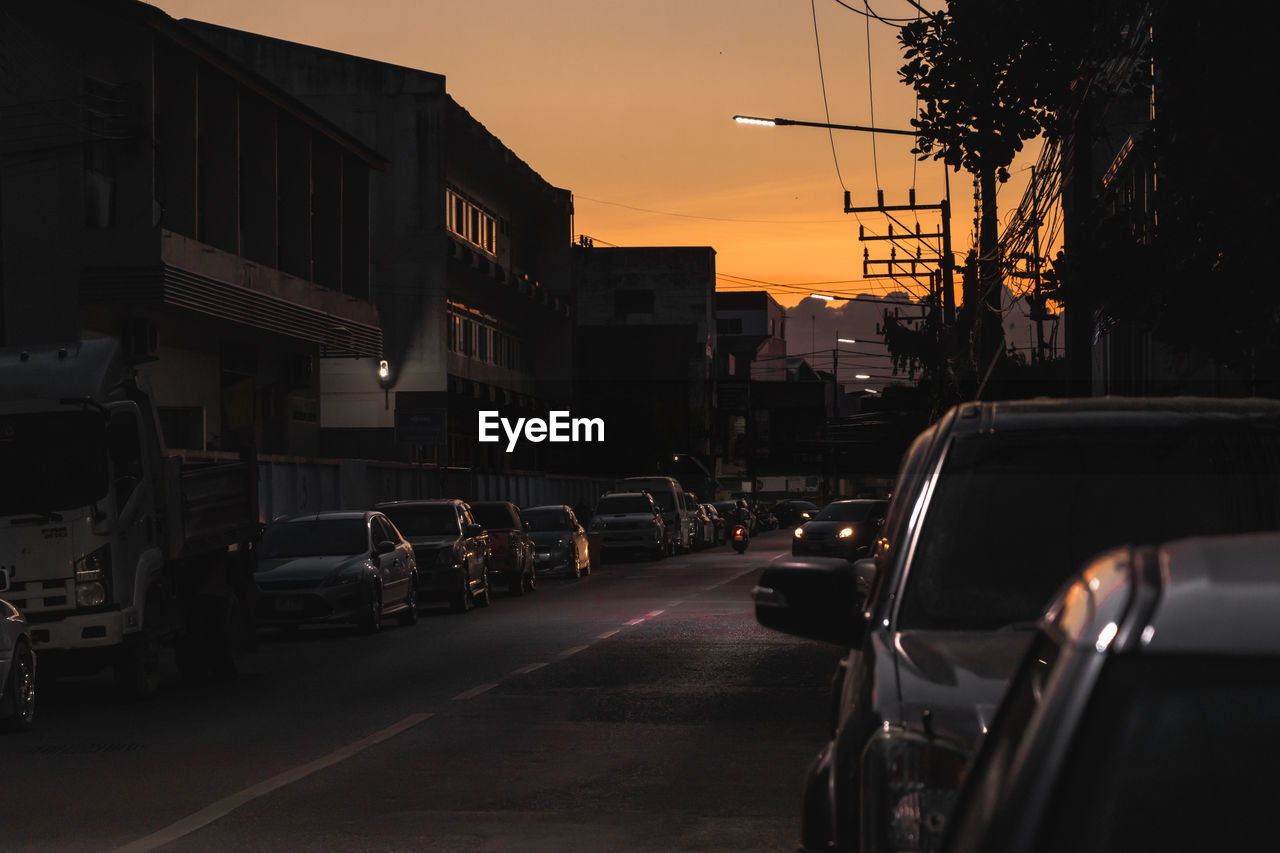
(227, 640)
(137, 668)
(19, 710)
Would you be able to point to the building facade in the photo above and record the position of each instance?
(155, 190)
(470, 252)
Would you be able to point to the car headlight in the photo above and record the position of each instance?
(799, 533)
(909, 786)
(846, 532)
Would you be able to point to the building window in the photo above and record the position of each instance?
(729, 326)
(476, 335)
(470, 221)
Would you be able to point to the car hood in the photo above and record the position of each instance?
(958, 676)
(624, 516)
(814, 528)
(547, 538)
(304, 568)
(431, 543)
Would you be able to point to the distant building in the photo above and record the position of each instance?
(470, 252)
(152, 188)
(644, 353)
(751, 331)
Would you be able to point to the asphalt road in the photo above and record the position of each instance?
(638, 709)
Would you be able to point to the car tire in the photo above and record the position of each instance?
(20, 694)
(461, 601)
(533, 576)
(586, 567)
(409, 616)
(372, 621)
(576, 570)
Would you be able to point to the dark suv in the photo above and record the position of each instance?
(1148, 702)
(996, 505)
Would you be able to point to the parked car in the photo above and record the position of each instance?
(629, 522)
(510, 547)
(452, 550)
(17, 666)
(339, 566)
(793, 513)
(559, 542)
(1148, 703)
(719, 524)
(995, 506)
(840, 529)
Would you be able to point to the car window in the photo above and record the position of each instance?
(542, 520)
(1173, 752)
(315, 538)
(424, 519)
(980, 796)
(853, 511)
(382, 531)
(1014, 514)
(491, 516)
(624, 504)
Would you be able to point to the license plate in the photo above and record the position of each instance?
(290, 605)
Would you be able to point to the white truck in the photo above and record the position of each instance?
(112, 548)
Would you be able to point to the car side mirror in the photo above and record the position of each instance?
(472, 530)
(820, 598)
(386, 546)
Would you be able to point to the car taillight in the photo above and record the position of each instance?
(909, 785)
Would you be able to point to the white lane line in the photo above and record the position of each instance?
(653, 613)
(573, 651)
(525, 670)
(606, 635)
(634, 621)
(474, 691)
(226, 805)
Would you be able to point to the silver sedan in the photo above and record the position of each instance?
(17, 670)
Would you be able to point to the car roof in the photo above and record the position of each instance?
(326, 515)
(625, 495)
(419, 502)
(547, 506)
(1201, 595)
(1046, 412)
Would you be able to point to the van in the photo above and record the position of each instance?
(669, 496)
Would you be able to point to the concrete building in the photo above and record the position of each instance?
(154, 189)
(470, 252)
(644, 354)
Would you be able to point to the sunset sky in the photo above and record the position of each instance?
(629, 106)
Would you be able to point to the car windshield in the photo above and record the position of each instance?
(423, 519)
(851, 511)
(633, 504)
(52, 461)
(1172, 753)
(1014, 514)
(320, 537)
(495, 516)
(544, 520)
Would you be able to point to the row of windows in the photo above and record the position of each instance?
(482, 341)
(470, 222)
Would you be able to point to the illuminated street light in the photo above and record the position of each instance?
(862, 376)
(845, 341)
(384, 370)
(822, 296)
(788, 122)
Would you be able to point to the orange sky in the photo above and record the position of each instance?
(629, 105)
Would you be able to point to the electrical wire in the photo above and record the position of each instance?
(871, 100)
(870, 15)
(825, 106)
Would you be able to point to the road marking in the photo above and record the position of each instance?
(634, 621)
(653, 613)
(606, 635)
(226, 805)
(573, 651)
(525, 670)
(474, 692)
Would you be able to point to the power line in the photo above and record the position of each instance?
(825, 106)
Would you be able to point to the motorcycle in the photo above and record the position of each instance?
(740, 538)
